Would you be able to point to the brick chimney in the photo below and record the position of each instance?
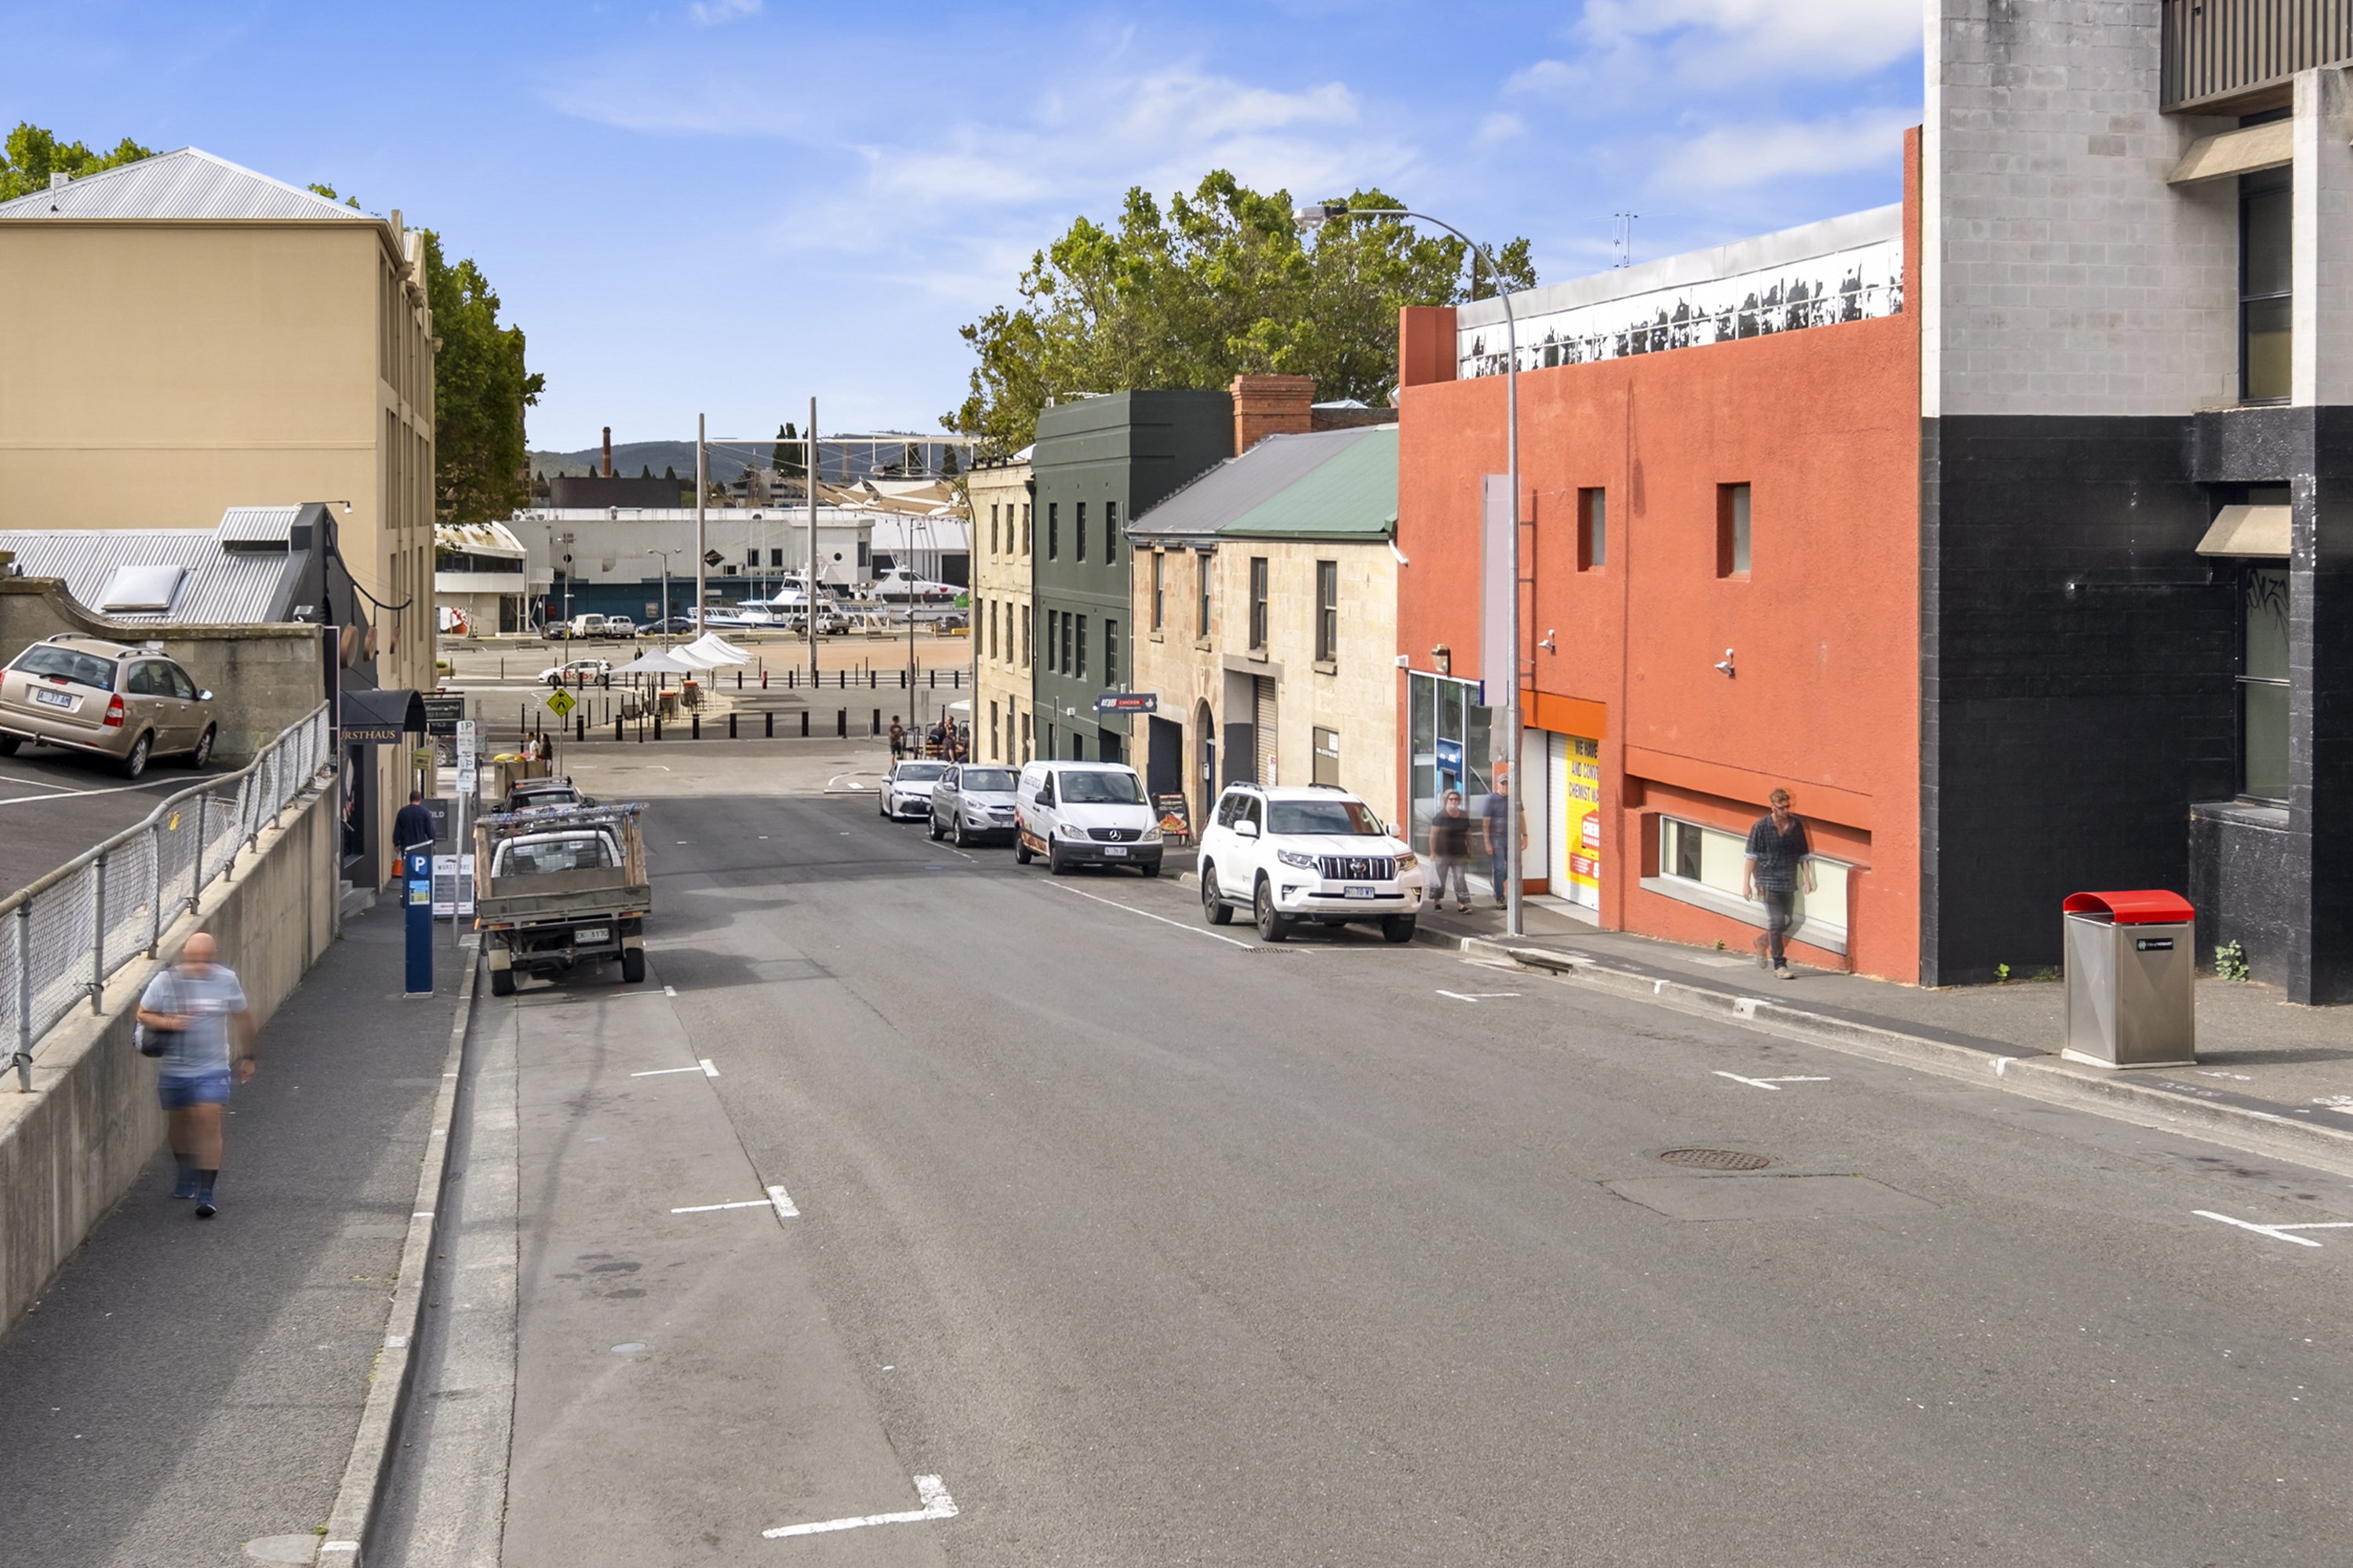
(1272, 405)
(608, 470)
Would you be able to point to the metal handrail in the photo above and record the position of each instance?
(264, 788)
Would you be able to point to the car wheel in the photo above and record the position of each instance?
(1149, 868)
(1272, 927)
(934, 825)
(1213, 903)
(8, 745)
(1396, 928)
(959, 837)
(1020, 849)
(502, 982)
(204, 751)
(633, 965)
(134, 765)
(1054, 862)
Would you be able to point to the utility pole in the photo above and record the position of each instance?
(702, 544)
(808, 587)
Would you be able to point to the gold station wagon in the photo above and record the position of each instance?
(83, 693)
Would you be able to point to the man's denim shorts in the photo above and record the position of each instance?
(205, 1090)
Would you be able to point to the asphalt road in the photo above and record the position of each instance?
(1156, 1246)
(55, 804)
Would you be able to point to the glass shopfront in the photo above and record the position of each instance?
(1450, 736)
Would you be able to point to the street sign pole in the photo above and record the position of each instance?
(468, 777)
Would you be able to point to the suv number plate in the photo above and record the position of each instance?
(594, 934)
(55, 699)
(1354, 891)
(1115, 851)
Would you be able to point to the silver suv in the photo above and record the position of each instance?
(83, 693)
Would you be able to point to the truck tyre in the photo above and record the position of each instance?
(1272, 927)
(502, 982)
(1396, 928)
(633, 965)
(1213, 903)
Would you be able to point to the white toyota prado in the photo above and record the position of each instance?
(1306, 854)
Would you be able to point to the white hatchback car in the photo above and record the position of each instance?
(1289, 855)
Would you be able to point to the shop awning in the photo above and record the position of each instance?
(375, 716)
(2257, 530)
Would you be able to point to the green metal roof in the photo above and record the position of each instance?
(1353, 496)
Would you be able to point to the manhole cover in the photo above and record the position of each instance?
(1716, 1160)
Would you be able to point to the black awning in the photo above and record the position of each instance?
(374, 717)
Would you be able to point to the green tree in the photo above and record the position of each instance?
(646, 471)
(481, 388)
(34, 155)
(1221, 284)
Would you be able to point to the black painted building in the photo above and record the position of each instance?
(1098, 461)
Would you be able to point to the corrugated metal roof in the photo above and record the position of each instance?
(1353, 496)
(256, 525)
(183, 183)
(1238, 485)
(222, 586)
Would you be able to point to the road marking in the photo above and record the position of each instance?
(784, 1202)
(1478, 995)
(714, 1208)
(704, 1067)
(78, 794)
(1148, 915)
(2278, 1233)
(1773, 1083)
(937, 1504)
(670, 990)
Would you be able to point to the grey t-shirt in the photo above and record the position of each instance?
(208, 999)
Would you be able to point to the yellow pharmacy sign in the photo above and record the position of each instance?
(561, 702)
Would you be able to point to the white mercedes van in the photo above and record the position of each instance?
(1085, 814)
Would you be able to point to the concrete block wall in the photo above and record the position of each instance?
(71, 1148)
(2063, 276)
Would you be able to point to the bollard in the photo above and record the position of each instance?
(617, 729)
(658, 723)
(902, 680)
(804, 724)
(739, 680)
(877, 726)
(870, 679)
(763, 680)
(842, 723)
(936, 678)
(731, 727)
(772, 724)
(580, 727)
(697, 733)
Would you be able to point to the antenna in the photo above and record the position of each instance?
(1622, 241)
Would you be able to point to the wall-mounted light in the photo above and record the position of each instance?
(1725, 667)
(1547, 644)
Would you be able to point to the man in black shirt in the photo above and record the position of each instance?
(412, 825)
(1778, 850)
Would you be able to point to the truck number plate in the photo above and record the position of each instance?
(55, 699)
(1115, 851)
(1356, 892)
(593, 934)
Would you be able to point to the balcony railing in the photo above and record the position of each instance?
(2219, 55)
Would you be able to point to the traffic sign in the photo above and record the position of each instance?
(561, 701)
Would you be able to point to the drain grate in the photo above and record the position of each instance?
(1716, 1160)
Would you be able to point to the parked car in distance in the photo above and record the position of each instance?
(578, 672)
(674, 626)
(973, 803)
(622, 626)
(1292, 854)
(907, 789)
(84, 694)
(527, 793)
(1085, 814)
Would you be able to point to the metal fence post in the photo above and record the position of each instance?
(98, 936)
(155, 902)
(23, 1053)
(197, 866)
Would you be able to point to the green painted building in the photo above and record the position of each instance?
(1098, 462)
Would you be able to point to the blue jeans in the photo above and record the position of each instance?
(204, 1090)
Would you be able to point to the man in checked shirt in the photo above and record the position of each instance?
(1779, 851)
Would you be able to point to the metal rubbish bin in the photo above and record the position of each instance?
(2131, 959)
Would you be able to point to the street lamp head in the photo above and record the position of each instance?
(1316, 214)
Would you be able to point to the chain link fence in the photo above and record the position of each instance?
(61, 937)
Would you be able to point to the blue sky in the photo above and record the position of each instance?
(728, 206)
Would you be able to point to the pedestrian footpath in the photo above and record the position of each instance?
(184, 1388)
(2265, 1067)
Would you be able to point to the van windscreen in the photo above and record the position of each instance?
(1100, 789)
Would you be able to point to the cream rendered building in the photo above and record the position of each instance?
(1265, 608)
(1002, 725)
(210, 337)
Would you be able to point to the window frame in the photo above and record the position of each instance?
(1053, 530)
(2262, 186)
(1159, 590)
(1204, 568)
(2242, 680)
(1593, 529)
(1111, 654)
(1735, 531)
(1327, 613)
(1262, 574)
(1078, 530)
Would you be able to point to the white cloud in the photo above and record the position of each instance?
(1739, 39)
(1498, 129)
(1730, 157)
(713, 13)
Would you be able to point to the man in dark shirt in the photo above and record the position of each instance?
(1491, 816)
(412, 825)
(1450, 850)
(1778, 850)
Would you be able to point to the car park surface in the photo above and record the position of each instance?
(105, 699)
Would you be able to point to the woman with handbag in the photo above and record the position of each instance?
(190, 1017)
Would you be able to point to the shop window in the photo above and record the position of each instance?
(1053, 530)
(1731, 530)
(1327, 611)
(1706, 866)
(1258, 605)
(1592, 529)
(1449, 738)
(1327, 757)
(2265, 228)
(2264, 686)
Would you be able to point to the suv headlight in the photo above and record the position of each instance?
(1408, 860)
(1294, 857)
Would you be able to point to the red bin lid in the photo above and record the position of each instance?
(2145, 907)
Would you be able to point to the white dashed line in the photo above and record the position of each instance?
(1478, 995)
(1148, 915)
(937, 1504)
(2277, 1232)
(1774, 1083)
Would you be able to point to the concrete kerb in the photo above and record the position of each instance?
(361, 1492)
(2043, 1076)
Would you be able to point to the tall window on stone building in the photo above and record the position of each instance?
(1327, 611)
(2264, 686)
(1079, 529)
(1159, 588)
(1111, 533)
(1201, 572)
(1053, 530)
(2265, 305)
(1258, 605)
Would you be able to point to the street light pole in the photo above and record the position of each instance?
(701, 542)
(1325, 212)
(665, 555)
(808, 587)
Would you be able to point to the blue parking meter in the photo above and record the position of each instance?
(419, 880)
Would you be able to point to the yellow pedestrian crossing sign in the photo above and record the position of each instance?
(561, 702)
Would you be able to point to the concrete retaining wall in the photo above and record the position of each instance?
(69, 1149)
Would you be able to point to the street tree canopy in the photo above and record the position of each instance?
(1221, 284)
(481, 388)
(34, 155)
